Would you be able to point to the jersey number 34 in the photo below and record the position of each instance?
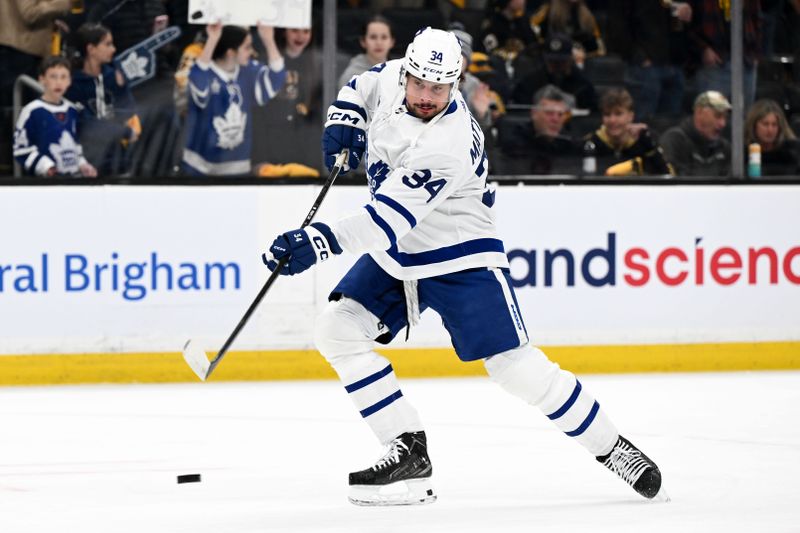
(422, 178)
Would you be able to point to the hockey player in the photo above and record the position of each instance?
(429, 241)
(46, 139)
(224, 83)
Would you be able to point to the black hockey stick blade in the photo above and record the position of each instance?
(196, 357)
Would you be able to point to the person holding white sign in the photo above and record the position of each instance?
(429, 240)
(224, 83)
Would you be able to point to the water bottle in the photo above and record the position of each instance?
(589, 158)
(754, 160)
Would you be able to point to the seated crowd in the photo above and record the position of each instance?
(565, 87)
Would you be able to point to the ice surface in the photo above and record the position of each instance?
(274, 456)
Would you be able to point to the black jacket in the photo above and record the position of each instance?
(641, 30)
(691, 154)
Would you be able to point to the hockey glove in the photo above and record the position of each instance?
(303, 248)
(344, 129)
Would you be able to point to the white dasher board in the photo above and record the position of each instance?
(279, 13)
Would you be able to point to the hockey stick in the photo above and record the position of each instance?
(192, 353)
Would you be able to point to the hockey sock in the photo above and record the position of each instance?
(527, 373)
(344, 335)
(372, 385)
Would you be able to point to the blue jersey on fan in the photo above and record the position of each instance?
(219, 128)
(46, 137)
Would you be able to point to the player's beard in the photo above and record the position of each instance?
(427, 110)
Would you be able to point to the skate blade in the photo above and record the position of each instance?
(661, 496)
(409, 492)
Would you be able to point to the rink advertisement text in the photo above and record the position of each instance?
(116, 269)
(133, 278)
(644, 265)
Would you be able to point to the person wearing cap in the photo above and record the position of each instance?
(696, 146)
(507, 31)
(574, 18)
(558, 69)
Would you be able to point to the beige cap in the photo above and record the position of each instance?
(713, 99)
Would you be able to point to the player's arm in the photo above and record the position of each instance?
(272, 76)
(267, 35)
(199, 73)
(348, 117)
(405, 198)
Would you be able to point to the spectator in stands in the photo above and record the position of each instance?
(622, 147)
(771, 12)
(484, 103)
(652, 37)
(766, 125)
(572, 18)
(696, 147)
(540, 146)
(107, 120)
(710, 33)
(26, 28)
(46, 140)
(377, 40)
(558, 69)
(507, 29)
(224, 83)
(25, 38)
(284, 127)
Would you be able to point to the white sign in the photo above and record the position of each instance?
(639, 265)
(126, 269)
(278, 13)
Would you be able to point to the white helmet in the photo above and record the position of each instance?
(433, 55)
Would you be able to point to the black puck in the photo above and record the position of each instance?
(189, 478)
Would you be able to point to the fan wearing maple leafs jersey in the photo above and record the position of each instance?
(224, 83)
(45, 138)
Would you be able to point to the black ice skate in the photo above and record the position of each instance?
(401, 477)
(635, 469)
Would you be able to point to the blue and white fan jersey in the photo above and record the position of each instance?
(46, 137)
(431, 208)
(218, 124)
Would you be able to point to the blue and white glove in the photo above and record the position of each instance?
(303, 247)
(344, 129)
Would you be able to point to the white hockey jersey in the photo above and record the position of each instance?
(431, 207)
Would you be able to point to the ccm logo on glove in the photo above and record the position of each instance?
(341, 117)
(302, 248)
(344, 129)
